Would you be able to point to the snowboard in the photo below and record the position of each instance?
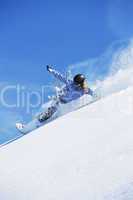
(62, 110)
(26, 128)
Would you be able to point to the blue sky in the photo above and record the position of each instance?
(35, 33)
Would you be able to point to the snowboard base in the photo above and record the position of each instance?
(36, 123)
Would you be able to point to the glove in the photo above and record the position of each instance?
(49, 68)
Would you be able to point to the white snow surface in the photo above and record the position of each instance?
(84, 155)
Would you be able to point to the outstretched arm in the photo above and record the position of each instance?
(57, 75)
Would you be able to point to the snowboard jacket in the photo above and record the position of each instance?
(70, 91)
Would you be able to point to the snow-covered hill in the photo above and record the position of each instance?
(84, 155)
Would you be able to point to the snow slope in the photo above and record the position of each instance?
(84, 155)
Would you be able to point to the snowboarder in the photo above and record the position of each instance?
(72, 90)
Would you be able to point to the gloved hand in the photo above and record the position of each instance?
(49, 68)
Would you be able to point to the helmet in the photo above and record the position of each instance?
(79, 79)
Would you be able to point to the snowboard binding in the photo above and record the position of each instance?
(47, 115)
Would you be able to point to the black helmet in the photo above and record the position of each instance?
(79, 79)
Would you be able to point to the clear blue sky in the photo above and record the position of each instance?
(34, 32)
(57, 32)
(39, 32)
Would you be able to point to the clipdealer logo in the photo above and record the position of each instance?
(23, 97)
